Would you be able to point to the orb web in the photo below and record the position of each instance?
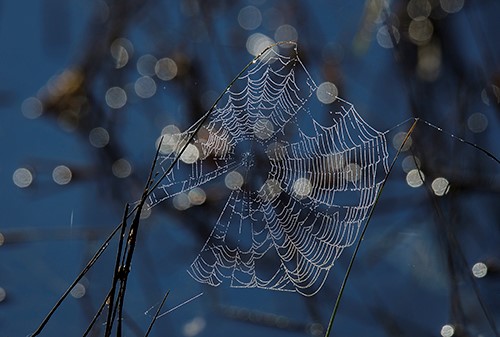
(299, 185)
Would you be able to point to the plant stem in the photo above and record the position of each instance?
(365, 227)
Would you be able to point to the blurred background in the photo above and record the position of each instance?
(88, 87)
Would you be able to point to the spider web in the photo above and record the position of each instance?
(299, 188)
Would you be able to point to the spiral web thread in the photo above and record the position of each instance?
(298, 190)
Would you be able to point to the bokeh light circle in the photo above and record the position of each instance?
(145, 87)
(99, 137)
(166, 69)
(249, 18)
(116, 97)
(121, 168)
(22, 177)
(62, 175)
(479, 270)
(327, 92)
(415, 178)
(32, 108)
(234, 180)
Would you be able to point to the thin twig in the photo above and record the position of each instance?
(116, 277)
(131, 244)
(365, 227)
(97, 315)
(156, 314)
(89, 265)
